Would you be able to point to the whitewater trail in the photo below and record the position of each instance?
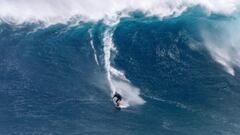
(116, 78)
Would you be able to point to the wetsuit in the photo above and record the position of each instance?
(118, 96)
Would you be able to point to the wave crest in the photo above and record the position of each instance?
(51, 11)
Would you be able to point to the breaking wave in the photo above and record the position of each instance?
(175, 62)
(52, 11)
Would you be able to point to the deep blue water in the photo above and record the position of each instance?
(51, 83)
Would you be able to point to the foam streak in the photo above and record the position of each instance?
(92, 46)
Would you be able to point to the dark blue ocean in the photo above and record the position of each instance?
(58, 79)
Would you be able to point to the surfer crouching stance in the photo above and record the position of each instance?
(117, 98)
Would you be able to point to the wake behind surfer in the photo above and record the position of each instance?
(117, 98)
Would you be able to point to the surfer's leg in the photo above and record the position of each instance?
(118, 101)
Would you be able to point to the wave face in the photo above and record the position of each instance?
(175, 63)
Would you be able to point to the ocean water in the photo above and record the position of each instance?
(176, 64)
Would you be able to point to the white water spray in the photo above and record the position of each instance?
(117, 80)
(223, 44)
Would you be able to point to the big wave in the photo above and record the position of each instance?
(175, 62)
(72, 12)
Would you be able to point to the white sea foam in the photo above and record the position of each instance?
(53, 11)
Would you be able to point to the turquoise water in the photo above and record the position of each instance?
(54, 79)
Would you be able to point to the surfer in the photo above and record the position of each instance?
(117, 98)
